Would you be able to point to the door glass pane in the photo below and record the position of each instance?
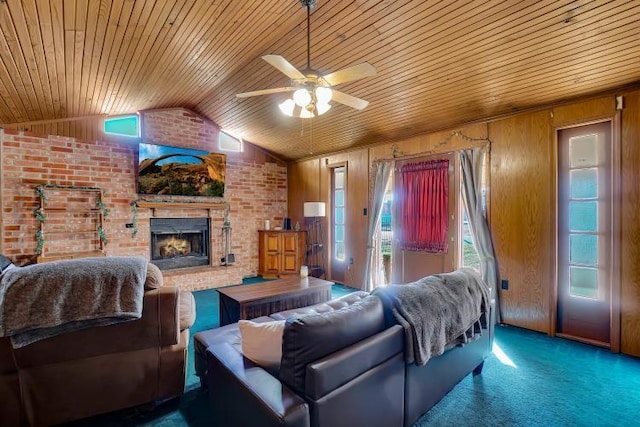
(340, 251)
(582, 151)
(339, 216)
(339, 198)
(583, 282)
(339, 178)
(583, 216)
(584, 183)
(339, 195)
(583, 249)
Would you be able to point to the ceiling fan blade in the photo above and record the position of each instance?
(350, 73)
(265, 92)
(349, 100)
(284, 66)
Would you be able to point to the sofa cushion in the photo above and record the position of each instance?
(309, 338)
(262, 342)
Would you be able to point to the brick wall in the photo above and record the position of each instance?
(255, 190)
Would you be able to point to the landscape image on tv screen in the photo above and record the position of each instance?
(165, 170)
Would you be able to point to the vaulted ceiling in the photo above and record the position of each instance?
(439, 63)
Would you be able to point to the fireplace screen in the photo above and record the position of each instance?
(179, 242)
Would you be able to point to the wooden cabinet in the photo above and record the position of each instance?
(280, 252)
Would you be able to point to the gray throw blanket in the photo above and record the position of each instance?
(438, 311)
(43, 300)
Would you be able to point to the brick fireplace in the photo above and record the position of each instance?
(255, 190)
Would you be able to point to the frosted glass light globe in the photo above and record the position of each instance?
(323, 95)
(287, 107)
(302, 97)
(322, 108)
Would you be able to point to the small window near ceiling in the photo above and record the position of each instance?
(123, 125)
(227, 142)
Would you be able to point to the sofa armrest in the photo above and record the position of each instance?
(242, 393)
(166, 309)
(158, 327)
(331, 372)
(187, 310)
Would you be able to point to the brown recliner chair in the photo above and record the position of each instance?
(99, 369)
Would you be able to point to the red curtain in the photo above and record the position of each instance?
(424, 190)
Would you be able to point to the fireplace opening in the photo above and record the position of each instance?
(180, 242)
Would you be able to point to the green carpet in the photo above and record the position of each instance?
(530, 380)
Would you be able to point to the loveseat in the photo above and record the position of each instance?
(101, 368)
(343, 364)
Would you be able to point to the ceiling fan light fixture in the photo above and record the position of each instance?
(287, 107)
(311, 91)
(323, 95)
(302, 97)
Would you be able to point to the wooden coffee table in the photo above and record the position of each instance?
(262, 299)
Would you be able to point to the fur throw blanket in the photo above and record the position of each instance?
(438, 311)
(43, 300)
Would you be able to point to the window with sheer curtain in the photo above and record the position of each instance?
(424, 188)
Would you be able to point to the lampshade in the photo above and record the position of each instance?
(322, 108)
(314, 209)
(323, 95)
(302, 97)
(287, 107)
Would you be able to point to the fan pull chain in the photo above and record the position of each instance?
(311, 135)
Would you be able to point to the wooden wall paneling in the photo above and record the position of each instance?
(582, 112)
(630, 226)
(303, 186)
(433, 143)
(522, 216)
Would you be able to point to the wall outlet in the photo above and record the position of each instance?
(504, 284)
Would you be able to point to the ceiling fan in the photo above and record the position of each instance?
(311, 91)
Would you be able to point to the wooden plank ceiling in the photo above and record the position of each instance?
(439, 63)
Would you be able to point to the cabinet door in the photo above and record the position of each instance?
(290, 253)
(271, 253)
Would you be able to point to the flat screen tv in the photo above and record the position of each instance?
(165, 170)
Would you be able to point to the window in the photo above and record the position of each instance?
(584, 227)
(227, 142)
(468, 253)
(123, 125)
(386, 236)
(339, 197)
(424, 199)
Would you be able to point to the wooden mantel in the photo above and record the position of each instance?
(182, 205)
